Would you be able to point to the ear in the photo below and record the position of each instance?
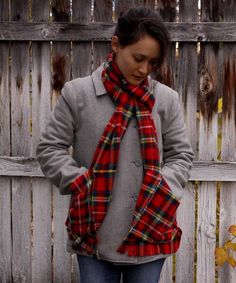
(114, 43)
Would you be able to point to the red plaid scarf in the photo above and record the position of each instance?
(153, 229)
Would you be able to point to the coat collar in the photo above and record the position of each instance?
(97, 81)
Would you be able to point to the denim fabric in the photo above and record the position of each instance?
(93, 270)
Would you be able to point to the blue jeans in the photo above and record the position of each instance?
(93, 270)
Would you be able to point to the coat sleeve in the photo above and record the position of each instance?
(52, 152)
(177, 151)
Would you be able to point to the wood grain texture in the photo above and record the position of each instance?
(102, 31)
(61, 72)
(167, 270)
(61, 259)
(21, 230)
(186, 220)
(42, 230)
(122, 6)
(228, 191)
(201, 171)
(186, 85)
(165, 75)
(5, 183)
(41, 189)
(81, 51)
(20, 146)
(102, 12)
(208, 137)
(5, 231)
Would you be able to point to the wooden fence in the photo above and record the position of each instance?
(45, 43)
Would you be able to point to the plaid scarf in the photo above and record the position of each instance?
(153, 229)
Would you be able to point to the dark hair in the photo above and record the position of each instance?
(138, 21)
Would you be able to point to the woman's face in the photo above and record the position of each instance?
(136, 61)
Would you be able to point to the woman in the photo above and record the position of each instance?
(131, 157)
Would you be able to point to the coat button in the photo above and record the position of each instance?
(138, 162)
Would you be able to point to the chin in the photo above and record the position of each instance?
(134, 82)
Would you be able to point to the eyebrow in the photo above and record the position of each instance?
(144, 56)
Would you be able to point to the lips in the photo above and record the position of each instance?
(139, 78)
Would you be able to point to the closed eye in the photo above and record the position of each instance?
(138, 59)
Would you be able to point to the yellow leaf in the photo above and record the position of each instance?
(221, 256)
(232, 261)
(230, 245)
(232, 230)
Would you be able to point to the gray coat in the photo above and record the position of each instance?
(79, 118)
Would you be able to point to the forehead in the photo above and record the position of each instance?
(146, 45)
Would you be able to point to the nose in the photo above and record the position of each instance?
(145, 68)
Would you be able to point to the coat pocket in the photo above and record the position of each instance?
(79, 221)
(157, 223)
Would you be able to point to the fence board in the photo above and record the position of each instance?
(102, 12)
(102, 31)
(186, 85)
(166, 75)
(208, 134)
(61, 258)
(21, 230)
(5, 185)
(41, 189)
(81, 52)
(5, 232)
(227, 195)
(121, 6)
(20, 130)
(61, 52)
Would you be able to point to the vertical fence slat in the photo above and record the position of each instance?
(61, 73)
(167, 11)
(103, 13)
(20, 133)
(81, 52)
(208, 134)
(5, 184)
(228, 190)
(186, 85)
(81, 66)
(122, 5)
(41, 189)
(61, 258)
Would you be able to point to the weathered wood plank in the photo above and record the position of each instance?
(20, 136)
(166, 74)
(184, 270)
(102, 12)
(181, 32)
(122, 6)
(41, 225)
(206, 237)
(41, 189)
(62, 261)
(186, 85)
(208, 135)
(167, 271)
(228, 193)
(61, 67)
(201, 171)
(21, 230)
(5, 231)
(5, 184)
(81, 52)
